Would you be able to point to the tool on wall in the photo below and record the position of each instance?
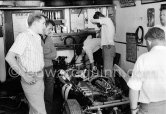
(138, 39)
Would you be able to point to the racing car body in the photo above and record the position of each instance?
(90, 95)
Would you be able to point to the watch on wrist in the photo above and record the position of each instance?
(133, 109)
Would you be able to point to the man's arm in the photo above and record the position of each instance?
(133, 97)
(94, 21)
(11, 59)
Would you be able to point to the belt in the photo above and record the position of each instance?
(35, 74)
(108, 46)
(48, 67)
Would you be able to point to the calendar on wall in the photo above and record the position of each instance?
(127, 3)
(19, 22)
(131, 47)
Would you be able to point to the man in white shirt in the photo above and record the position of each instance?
(107, 40)
(26, 58)
(147, 83)
(90, 46)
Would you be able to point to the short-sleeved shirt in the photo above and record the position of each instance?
(107, 31)
(91, 45)
(149, 75)
(30, 52)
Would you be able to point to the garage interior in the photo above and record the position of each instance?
(77, 90)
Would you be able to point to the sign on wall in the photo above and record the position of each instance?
(127, 3)
(19, 22)
(151, 1)
(131, 47)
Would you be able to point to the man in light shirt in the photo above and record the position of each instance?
(147, 83)
(107, 41)
(49, 54)
(26, 58)
(90, 46)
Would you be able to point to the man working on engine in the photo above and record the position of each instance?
(91, 46)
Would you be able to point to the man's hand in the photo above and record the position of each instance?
(92, 21)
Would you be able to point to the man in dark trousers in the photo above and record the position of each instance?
(107, 40)
(49, 54)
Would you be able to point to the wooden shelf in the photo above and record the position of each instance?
(40, 8)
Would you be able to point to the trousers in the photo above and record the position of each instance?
(49, 88)
(35, 96)
(153, 108)
(108, 52)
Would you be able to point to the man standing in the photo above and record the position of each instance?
(147, 83)
(26, 58)
(107, 41)
(49, 55)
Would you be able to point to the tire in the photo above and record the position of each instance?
(71, 106)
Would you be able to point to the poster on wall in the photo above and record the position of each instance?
(131, 47)
(77, 19)
(151, 1)
(126, 3)
(150, 17)
(19, 22)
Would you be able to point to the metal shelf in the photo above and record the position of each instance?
(40, 8)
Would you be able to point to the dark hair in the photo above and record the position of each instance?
(97, 15)
(155, 33)
(34, 17)
(50, 22)
(163, 7)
